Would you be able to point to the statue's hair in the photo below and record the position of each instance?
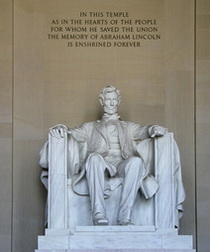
(109, 89)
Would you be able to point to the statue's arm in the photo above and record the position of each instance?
(140, 133)
(79, 133)
(75, 152)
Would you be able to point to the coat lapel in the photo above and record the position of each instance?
(101, 127)
(122, 130)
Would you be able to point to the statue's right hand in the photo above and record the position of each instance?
(59, 130)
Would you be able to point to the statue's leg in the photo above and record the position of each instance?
(132, 170)
(95, 168)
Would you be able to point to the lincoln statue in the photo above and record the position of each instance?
(111, 151)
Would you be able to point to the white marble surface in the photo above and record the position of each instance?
(142, 200)
(144, 187)
(57, 186)
(67, 209)
(115, 250)
(87, 236)
(131, 237)
(168, 175)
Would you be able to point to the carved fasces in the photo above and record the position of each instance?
(57, 183)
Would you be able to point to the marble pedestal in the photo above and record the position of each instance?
(116, 250)
(114, 238)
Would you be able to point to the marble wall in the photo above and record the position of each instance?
(55, 83)
(203, 123)
(45, 82)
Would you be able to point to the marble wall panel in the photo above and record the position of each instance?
(179, 96)
(56, 84)
(6, 125)
(203, 123)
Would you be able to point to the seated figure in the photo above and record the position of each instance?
(110, 148)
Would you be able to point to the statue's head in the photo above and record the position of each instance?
(110, 99)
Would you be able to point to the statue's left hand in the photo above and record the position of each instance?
(156, 131)
(58, 130)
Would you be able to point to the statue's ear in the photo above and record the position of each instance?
(101, 101)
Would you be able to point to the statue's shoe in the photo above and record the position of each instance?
(100, 220)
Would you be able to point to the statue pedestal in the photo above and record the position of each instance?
(112, 238)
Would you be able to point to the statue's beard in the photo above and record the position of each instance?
(110, 111)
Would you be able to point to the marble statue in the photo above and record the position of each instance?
(107, 149)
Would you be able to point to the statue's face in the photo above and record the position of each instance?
(111, 103)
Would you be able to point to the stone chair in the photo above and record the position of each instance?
(69, 214)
